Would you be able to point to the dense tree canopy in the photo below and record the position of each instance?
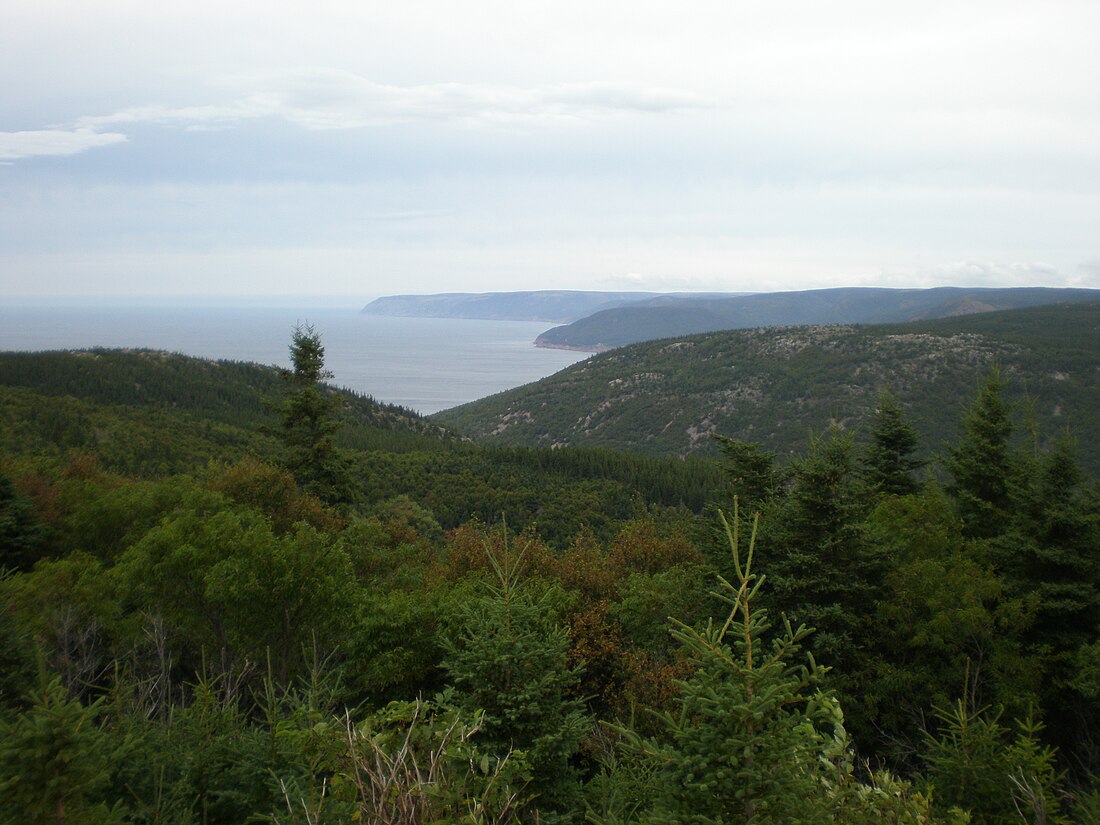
(192, 632)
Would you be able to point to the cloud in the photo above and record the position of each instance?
(1090, 270)
(659, 282)
(982, 273)
(168, 115)
(328, 99)
(622, 97)
(333, 99)
(622, 280)
(29, 144)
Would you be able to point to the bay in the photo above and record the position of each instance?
(425, 364)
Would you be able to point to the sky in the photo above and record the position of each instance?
(343, 150)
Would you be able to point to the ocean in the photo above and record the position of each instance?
(425, 364)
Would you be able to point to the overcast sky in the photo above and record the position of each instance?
(359, 148)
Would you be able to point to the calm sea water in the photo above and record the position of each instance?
(426, 364)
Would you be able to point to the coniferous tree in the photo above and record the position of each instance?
(751, 470)
(508, 659)
(888, 460)
(21, 536)
(981, 465)
(821, 571)
(308, 420)
(757, 738)
(55, 762)
(1052, 558)
(976, 764)
(1060, 557)
(749, 726)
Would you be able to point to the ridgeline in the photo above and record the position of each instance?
(674, 315)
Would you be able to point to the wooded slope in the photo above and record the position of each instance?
(772, 385)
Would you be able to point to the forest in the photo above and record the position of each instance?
(231, 594)
(774, 384)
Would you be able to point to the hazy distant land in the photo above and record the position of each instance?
(598, 321)
(554, 306)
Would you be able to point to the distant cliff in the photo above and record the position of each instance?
(552, 306)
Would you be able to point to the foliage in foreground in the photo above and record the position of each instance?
(757, 736)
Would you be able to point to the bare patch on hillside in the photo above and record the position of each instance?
(511, 419)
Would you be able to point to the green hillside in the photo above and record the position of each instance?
(147, 411)
(772, 385)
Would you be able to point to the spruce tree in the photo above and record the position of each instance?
(1059, 560)
(16, 645)
(981, 465)
(308, 421)
(888, 460)
(822, 572)
(751, 470)
(1052, 559)
(975, 764)
(55, 762)
(744, 743)
(507, 658)
(757, 738)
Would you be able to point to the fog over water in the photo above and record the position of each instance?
(426, 364)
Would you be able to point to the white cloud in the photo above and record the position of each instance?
(335, 99)
(326, 99)
(1090, 271)
(197, 115)
(995, 273)
(29, 144)
(621, 97)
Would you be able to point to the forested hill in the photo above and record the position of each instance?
(169, 409)
(772, 385)
(203, 620)
(148, 413)
(672, 315)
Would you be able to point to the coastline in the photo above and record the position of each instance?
(544, 345)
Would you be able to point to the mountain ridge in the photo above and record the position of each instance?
(669, 316)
